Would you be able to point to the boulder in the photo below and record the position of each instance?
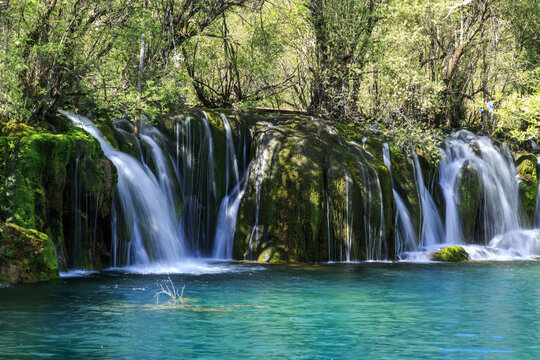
(451, 254)
(26, 255)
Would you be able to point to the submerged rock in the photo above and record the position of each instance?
(451, 254)
(26, 255)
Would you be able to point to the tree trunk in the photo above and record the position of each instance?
(140, 80)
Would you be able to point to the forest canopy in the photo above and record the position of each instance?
(406, 64)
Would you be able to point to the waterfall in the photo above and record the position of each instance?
(500, 210)
(77, 218)
(259, 167)
(349, 220)
(144, 216)
(172, 201)
(84, 217)
(165, 177)
(431, 231)
(405, 238)
(226, 223)
(328, 224)
(373, 222)
(488, 202)
(196, 175)
(230, 154)
(364, 141)
(536, 220)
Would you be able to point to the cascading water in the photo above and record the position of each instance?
(167, 207)
(259, 166)
(226, 224)
(497, 176)
(349, 220)
(499, 213)
(145, 223)
(84, 216)
(405, 238)
(373, 222)
(196, 175)
(493, 221)
(431, 231)
(146, 228)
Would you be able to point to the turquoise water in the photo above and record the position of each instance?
(362, 311)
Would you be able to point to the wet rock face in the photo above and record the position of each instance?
(469, 202)
(313, 196)
(528, 186)
(26, 255)
(60, 185)
(316, 190)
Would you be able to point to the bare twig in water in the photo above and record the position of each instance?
(167, 288)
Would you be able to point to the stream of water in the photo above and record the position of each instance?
(150, 231)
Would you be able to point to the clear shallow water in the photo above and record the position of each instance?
(340, 311)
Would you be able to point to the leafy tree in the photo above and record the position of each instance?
(343, 44)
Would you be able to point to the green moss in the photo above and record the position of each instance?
(106, 128)
(451, 254)
(42, 159)
(272, 255)
(40, 169)
(526, 166)
(404, 183)
(528, 191)
(304, 192)
(27, 256)
(528, 186)
(470, 201)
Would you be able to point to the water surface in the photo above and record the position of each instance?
(339, 311)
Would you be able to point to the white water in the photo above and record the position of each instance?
(228, 210)
(164, 175)
(147, 233)
(259, 167)
(349, 220)
(230, 154)
(405, 238)
(498, 177)
(147, 212)
(499, 214)
(77, 273)
(431, 231)
(196, 175)
(189, 266)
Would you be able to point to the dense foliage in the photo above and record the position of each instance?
(407, 65)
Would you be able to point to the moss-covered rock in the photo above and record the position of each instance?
(404, 183)
(451, 254)
(313, 196)
(26, 255)
(528, 186)
(317, 190)
(50, 182)
(470, 201)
